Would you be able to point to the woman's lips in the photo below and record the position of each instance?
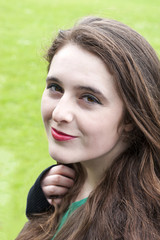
(60, 136)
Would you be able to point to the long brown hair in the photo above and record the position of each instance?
(126, 203)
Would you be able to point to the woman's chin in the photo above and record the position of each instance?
(59, 158)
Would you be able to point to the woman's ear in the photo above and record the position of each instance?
(128, 123)
(128, 127)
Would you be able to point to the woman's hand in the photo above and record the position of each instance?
(56, 183)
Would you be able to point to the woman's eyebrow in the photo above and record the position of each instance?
(90, 89)
(78, 87)
(50, 78)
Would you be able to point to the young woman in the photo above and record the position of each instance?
(101, 111)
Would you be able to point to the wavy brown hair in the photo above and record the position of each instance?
(126, 202)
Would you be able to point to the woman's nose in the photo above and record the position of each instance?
(63, 111)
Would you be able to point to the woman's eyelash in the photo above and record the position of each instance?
(91, 99)
(55, 87)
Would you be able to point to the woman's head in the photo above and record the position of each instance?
(131, 62)
(81, 100)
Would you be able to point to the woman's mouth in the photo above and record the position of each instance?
(60, 136)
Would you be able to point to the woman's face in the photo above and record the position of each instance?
(81, 109)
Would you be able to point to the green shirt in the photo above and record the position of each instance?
(70, 210)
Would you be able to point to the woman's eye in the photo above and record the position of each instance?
(90, 99)
(55, 88)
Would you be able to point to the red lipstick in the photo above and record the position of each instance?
(60, 136)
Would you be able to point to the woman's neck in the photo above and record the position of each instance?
(95, 170)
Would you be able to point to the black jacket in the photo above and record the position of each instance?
(36, 200)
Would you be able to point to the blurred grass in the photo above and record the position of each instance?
(26, 28)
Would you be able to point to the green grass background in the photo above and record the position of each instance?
(26, 28)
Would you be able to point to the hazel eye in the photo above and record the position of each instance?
(90, 99)
(55, 88)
